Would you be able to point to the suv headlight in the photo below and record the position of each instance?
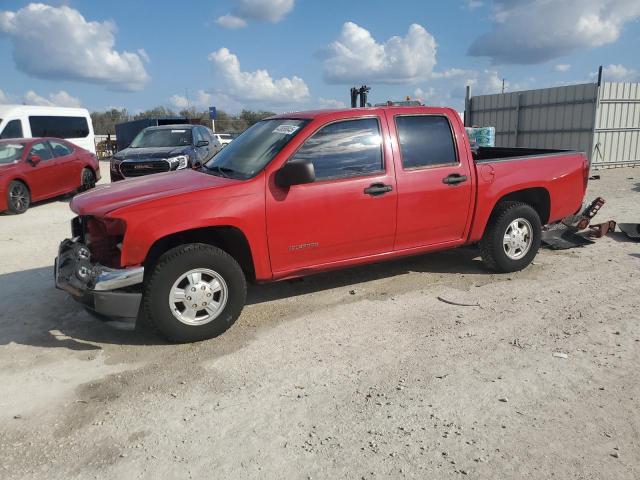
(115, 163)
(179, 162)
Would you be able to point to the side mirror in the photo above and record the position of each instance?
(295, 173)
(35, 160)
(202, 143)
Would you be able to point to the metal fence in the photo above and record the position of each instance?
(601, 120)
(617, 128)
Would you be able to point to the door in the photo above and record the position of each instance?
(68, 166)
(43, 178)
(434, 182)
(348, 212)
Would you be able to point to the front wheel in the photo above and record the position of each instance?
(18, 197)
(195, 292)
(512, 238)
(87, 180)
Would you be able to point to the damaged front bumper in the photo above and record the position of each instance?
(107, 291)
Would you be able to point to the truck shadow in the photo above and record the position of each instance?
(35, 313)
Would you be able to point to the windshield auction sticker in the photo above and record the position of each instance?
(286, 129)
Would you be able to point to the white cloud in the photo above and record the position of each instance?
(256, 86)
(619, 73)
(56, 99)
(473, 4)
(356, 57)
(58, 43)
(562, 67)
(178, 101)
(528, 32)
(4, 99)
(425, 95)
(231, 21)
(331, 103)
(202, 100)
(260, 10)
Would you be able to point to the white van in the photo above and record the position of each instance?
(26, 121)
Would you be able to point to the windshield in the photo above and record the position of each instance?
(163, 137)
(248, 154)
(224, 136)
(10, 152)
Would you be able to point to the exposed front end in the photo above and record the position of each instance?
(88, 268)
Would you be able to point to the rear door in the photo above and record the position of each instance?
(68, 166)
(434, 181)
(350, 210)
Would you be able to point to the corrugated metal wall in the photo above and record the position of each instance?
(617, 129)
(560, 117)
(603, 121)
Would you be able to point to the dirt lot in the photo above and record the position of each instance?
(362, 373)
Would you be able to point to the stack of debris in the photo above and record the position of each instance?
(577, 230)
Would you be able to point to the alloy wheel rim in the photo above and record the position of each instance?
(198, 296)
(518, 239)
(18, 197)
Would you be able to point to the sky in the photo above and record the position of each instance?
(286, 55)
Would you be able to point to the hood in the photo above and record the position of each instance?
(150, 152)
(107, 198)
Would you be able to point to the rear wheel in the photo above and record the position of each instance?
(512, 238)
(18, 197)
(194, 292)
(88, 180)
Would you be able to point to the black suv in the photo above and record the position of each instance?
(162, 149)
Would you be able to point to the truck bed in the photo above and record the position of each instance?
(495, 154)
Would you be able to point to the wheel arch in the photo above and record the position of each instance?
(228, 238)
(537, 197)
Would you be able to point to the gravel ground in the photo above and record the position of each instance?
(361, 373)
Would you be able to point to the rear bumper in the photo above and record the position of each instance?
(107, 291)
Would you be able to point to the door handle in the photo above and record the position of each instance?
(376, 189)
(454, 179)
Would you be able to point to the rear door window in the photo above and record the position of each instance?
(425, 141)
(42, 150)
(344, 149)
(13, 129)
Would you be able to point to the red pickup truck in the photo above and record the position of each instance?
(306, 192)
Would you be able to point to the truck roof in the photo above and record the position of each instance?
(356, 112)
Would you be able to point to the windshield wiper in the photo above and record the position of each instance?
(223, 171)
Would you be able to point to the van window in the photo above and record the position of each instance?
(59, 127)
(13, 129)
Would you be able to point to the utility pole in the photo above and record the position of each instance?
(503, 85)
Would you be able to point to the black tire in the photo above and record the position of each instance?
(492, 244)
(87, 180)
(18, 197)
(171, 266)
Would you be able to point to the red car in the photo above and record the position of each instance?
(307, 192)
(35, 169)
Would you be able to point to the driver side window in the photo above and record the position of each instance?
(42, 150)
(346, 148)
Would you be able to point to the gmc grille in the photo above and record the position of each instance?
(143, 167)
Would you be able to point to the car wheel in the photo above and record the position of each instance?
(18, 197)
(194, 292)
(88, 180)
(512, 238)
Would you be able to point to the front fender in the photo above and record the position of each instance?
(150, 222)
